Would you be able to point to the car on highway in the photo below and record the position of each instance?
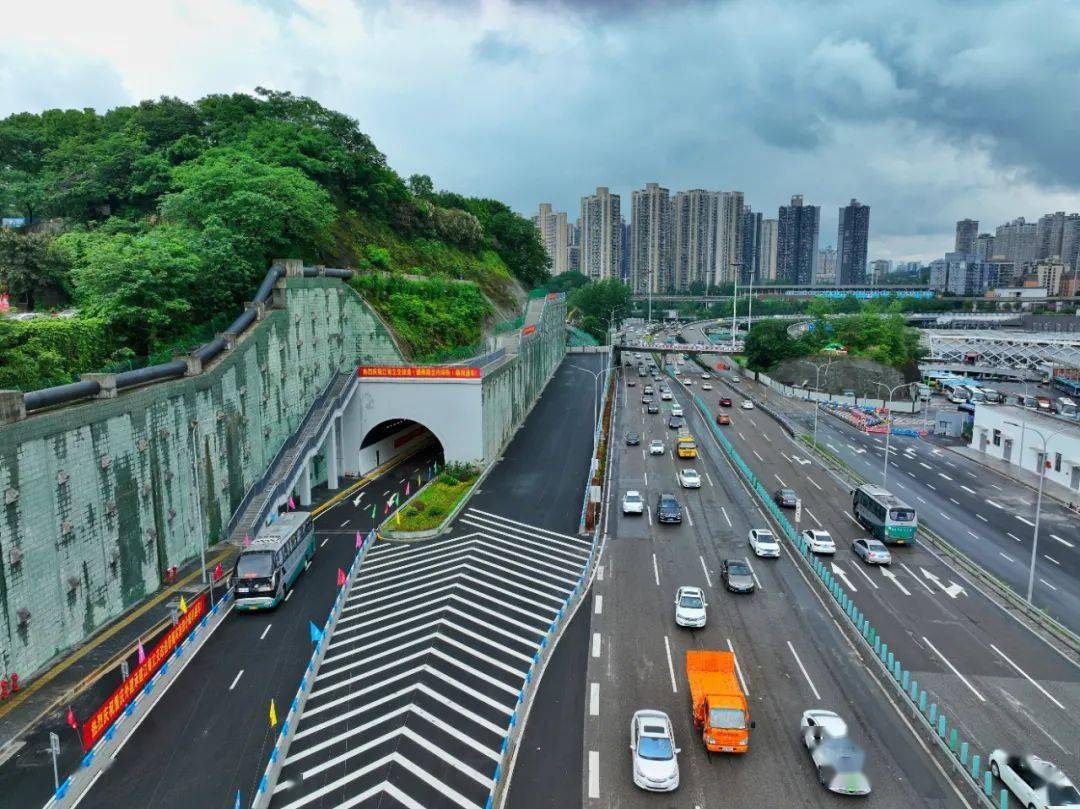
(737, 576)
(668, 510)
(653, 751)
(632, 439)
(676, 410)
(705, 375)
(786, 498)
(747, 404)
(706, 386)
(1035, 782)
(690, 607)
(649, 390)
(675, 422)
(872, 551)
(652, 407)
(633, 503)
(631, 383)
(725, 401)
(763, 543)
(687, 381)
(837, 760)
(735, 380)
(723, 418)
(656, 447)
(819, 541)
(689, 479)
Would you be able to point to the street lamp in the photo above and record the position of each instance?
(817, 373)
(888, 430)
(1038, 498)
(596, 385)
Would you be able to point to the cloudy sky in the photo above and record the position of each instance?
(927, 111)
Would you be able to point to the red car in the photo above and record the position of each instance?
(725, 402)
(723, 418)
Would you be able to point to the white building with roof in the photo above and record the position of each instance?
(1018, 436)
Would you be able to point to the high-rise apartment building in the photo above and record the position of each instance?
(879, 268)
(555, 236)
(1049, 273)
(967, 230)
(768, 249)
(1048, 233)
(851, 240)
(984, 246)
(797, 242)
(650, 239)
(601, 235)
(729, 233)
(1015, 241)
(1070, 241)
(826, 270)
(693, 237)
(573, 261)
(751, 247)
(624, 255)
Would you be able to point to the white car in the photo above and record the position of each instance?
(705, 376)
(1035, 782)
(689, 479)
(653, 751)
(735, 380)
(831, 723)
(688, 381)
(676, 410)
(706, 386)
(747, 404)
(819, 541)
(633, 503)
(764, 544)
(665, 395)
(837, 760)
(690, 607)
(656, 447)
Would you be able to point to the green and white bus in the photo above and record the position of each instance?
(884, 515)
(269, 566)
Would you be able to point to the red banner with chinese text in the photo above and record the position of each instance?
(419, 371)
(100, 721)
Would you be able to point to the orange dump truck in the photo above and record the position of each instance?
(718, 702)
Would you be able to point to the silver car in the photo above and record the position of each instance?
(872, 551)
(653, 751)
(837, 759)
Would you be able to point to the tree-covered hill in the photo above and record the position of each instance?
(157, 221)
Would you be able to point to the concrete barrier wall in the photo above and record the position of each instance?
(97, 500)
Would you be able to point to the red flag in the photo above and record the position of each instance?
(218, 572)
(340, 577)
(142, 654)
(71, 720)
(292, 504)
(406, 488)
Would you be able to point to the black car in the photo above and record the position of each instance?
(632, 439)
(786, 498)
(737, 576)
(675, 422)
(653, 408)
(668, 509)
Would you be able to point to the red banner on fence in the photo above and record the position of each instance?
(528, 330)
(419, 371)
(103, 717)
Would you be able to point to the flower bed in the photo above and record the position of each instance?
(430, 507)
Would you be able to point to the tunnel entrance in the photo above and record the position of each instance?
(396, 438)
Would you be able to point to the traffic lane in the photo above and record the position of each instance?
(966, 646)
(542, 473)
(210, 734)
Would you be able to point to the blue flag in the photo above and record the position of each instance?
(316, 633)
(371, 535)
(237, 805)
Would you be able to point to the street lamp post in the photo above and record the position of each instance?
(1038, 498)
(888, 431)
(817, 374)
(596, 386)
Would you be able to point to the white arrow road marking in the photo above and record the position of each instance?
(841, 573)
(952, 590)
(858, 567)
(888, 574)
(800, 461)
(915, 576)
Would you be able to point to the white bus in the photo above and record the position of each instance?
(884, 515)
(268, 567)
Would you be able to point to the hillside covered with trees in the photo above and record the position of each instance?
(157, 221)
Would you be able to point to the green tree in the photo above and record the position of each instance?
(30, 270)
(601, 304)
(566, 282)
(768, 343)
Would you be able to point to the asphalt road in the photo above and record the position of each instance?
(996, 681)
(210, 734)
(791, 655)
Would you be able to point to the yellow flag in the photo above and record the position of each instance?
(183, 605)
(397, 518)
(273, 715)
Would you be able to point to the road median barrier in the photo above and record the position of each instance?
(397, 535)
(946, 744)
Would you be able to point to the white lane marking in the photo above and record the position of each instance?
(858, 567)
(1048, 584)
(995, 505)
(925, 465)
(1006, 556)
(324, 542)
(972, 533)
(812, 517)
(920, 499)
(726, 517)
(1024, 520)
(955, 671)
(852, 519)
(345, 523)
(703, 567)
(670, 666)
(1027, 677)
(655, 570)
(802, 668)
(263, 635)
(955, 501)
(594, 774)
(752, 573)
(834, 449)
(708, 478)
(1064, 542)
(599, 602)
(929, 589)
(981, 517)
(288, 595)
(646, 479)
(997, 487)
(738, 668)
(596, 644)
(689, 519)
(1014, 536)
(763, 435)
(778, 478)
(648, 513)
(600, 573)
(1052, 559)
(743, 437)
(594, 699)
(236, 679)
(813, 483)
(757, 456)
(966, 489)
(931, 486)
(944, 516)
